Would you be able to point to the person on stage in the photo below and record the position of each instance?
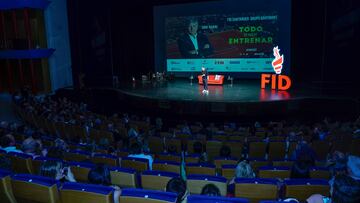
(205, 79)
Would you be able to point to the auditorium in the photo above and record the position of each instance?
(179, 101)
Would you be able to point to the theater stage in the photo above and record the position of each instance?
(243, 98)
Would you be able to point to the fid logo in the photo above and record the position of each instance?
(278, 61)
(277, 65)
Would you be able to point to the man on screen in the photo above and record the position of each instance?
(193, 44)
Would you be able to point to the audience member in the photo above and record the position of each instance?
(137, 152)
(210, 190)
(7, 144)
(100, 175)
(178, 186)
(56, 170)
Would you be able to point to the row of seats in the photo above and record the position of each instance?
(31, 188)
(23, 163)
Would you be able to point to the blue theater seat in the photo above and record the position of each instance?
(31, 188)
(21, 163)
(195, 183)
(168, 166)
(84, 193)
(203, 168)
(107, 159)
(301, 189)
(6, 193)
(228, 171)
(123, 177)
(274, 172)
(81, 170)
(138, 164)
(156, 180)
(256, 189)
(213, 199)
(146, 196)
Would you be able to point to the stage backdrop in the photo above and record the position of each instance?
(239, 37)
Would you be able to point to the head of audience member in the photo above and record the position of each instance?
(7, 141)
(300, 169)
(61, 144)
(345, 190)
(5, 163)
(225, 151)
(52, 169)
(210, 190)
(178, 186)
(30, 146)
(353, 167)
(193, 25)
(135, 148)
(244, 170)
(171, 149)
(100, 175)
(198, 147)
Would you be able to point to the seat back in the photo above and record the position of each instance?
(213, 199)
(21, 163)
(84, 193)
(200, 169)
(236, 148)
(281, 172)
(277, 163)
(81, 170)
(219, 162)
(35, 189)
(123, 177)
(213, 148)
(301, 189)
(107, 159)
(257, 150)
(256, 189)
(167, 166)
(76, 155)
(257, 163)
(228, 171)
(156, 180)
(195, 183)
(277, 150)
(169, 157)
(156, 144)
(138, 164)
(319, 173)
(6, 193)
(132, 195)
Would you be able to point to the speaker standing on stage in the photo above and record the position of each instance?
(205, 79)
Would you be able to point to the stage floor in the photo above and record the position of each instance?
(242, 91)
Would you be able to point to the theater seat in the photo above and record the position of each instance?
(146, 196)
(77, 155)
(81, 170)
(20, 162)
(123, 177)
(30, 189)
(156, 180)
(228, 171)
(195, 183)
(106, 159)
(85, 193)
(213, 199)
(301, 189)
(281, 172)
(319, 173)
(256, 189)
(200, 169)
(138, 164)
(167, 166)
(6, 193)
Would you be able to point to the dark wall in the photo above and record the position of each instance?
(317, 53)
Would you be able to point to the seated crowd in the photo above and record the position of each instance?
(132, 141)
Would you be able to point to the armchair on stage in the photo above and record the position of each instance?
(212, 79)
